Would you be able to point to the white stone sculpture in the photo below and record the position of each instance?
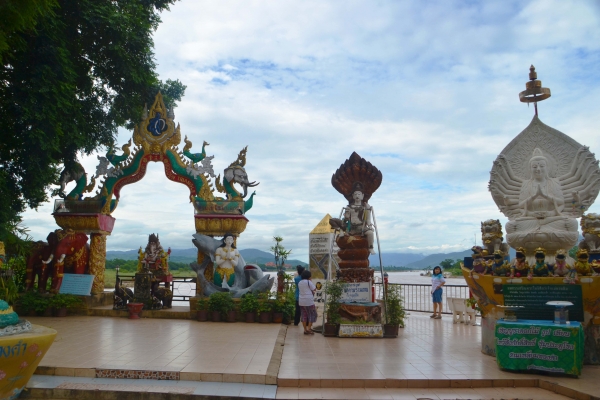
(542, 181)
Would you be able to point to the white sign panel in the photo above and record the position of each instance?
(320, 292)
(359, 292)
(79, 284)
(319, 243)
(366, 331)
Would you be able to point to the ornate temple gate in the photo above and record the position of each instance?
(156, 139)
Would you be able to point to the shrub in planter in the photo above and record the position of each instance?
(202, 309)
(60, 302)
(334, 291)
(394, 315)
(289, 307)
(220, 303)
(249, 306)
(265, 309)
(33, 303)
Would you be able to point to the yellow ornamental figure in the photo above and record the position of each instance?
(226, 257)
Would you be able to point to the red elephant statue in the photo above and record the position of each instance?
(71, 256)
(39, 263)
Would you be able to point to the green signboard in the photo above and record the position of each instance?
(539, 345)
(533, 299)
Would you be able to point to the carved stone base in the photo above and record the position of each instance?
(354, 259)
(363, 312)
(356, 275)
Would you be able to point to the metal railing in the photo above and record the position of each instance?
(183, 287)
(417, 297)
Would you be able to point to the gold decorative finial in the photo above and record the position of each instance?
(534, 91)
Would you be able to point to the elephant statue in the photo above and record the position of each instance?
(122, 295)
(71, 255)
(235, 173)
(248, 278)
(163, 294)
(39, 263)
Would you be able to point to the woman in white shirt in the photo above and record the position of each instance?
(306, 302)
(437, 281)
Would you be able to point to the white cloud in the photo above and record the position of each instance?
(426, 91)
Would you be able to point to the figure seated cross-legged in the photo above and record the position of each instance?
(357, 217)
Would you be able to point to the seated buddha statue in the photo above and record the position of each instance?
(541, 202)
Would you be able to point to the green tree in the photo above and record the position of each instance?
(66, 86)
(447, 263)
(18, 16)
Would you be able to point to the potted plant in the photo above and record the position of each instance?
(281, 255)
(289, 307)
(278, 306)
(60, 302)
(202, 309)
(220, 303)
(394, 314)
(249, 306)
(334, 291)
(265, 310)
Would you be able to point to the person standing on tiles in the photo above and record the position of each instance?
(437, 281)
(297, 279)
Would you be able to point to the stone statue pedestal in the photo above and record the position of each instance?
(354, 256)
(142, 289)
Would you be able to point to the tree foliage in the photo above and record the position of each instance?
(66, 86)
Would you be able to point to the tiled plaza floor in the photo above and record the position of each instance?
(431, 359)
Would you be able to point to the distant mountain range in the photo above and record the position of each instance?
(251, 256)
(255, 256)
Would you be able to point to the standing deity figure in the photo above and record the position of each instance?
(226, 258)
(543, 181)
(357, 217)
(154, 259)
(356, 179)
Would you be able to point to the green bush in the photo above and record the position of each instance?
(264, 303)
(249, 303)
(61, 300)
(394, 308)
(33, 301)
(334, 291)
(221, 302)
(202, 304)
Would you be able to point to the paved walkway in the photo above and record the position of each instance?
(431, 359)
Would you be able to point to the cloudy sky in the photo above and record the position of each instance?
(427, 91)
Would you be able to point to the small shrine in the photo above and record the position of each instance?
(542, 181)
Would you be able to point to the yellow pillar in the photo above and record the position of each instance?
(98, 260)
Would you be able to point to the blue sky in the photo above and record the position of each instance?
(427, 91)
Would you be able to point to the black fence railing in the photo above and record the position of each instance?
(417, 297)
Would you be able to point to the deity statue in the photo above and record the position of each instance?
(540, 268)
(356, 179)
(519, 266)
(542, 181)
(561, 267)
(499, 267)
(480, 265)
(226, 258)
(357, 217)
(154, 259)
(582, 265)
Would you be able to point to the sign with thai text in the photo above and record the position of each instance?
(533, 299)
(539, 345)
(359, 292)
(78, 284)
(364, 330)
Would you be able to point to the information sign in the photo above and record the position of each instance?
(79, 284)
(539, 345)
(359, 292)
(533, 299)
